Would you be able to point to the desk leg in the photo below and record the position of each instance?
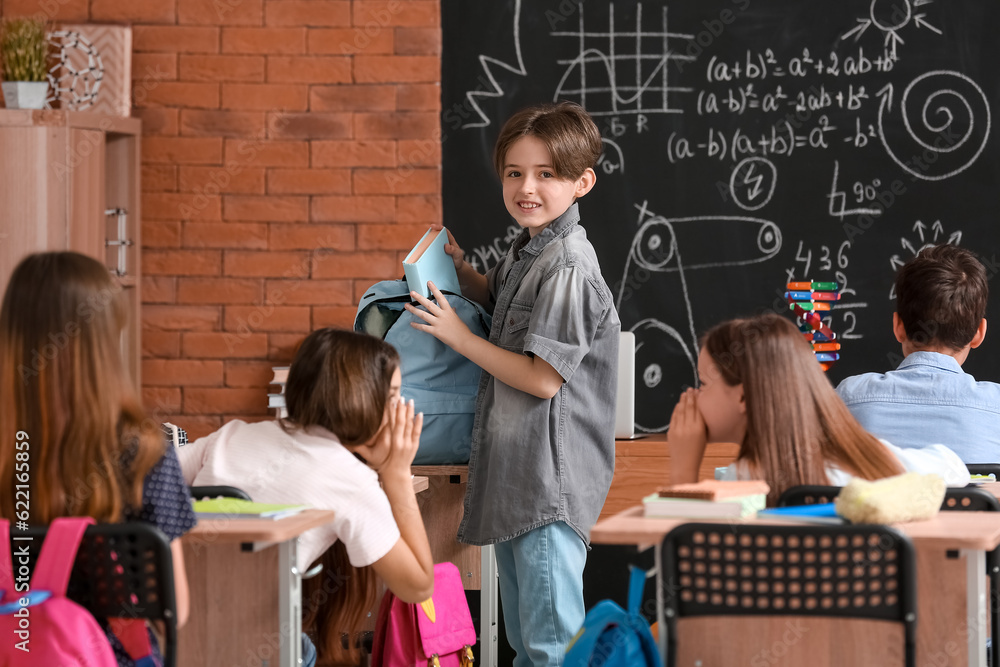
(290, 604)
(488, 608)
(661, 618)
(975, 604)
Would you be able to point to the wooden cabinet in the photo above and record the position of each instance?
(70, 181)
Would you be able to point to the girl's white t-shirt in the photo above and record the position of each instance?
(937, 459)
(301, 466)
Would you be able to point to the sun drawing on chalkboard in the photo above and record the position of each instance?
(927, 236)
(891, 16)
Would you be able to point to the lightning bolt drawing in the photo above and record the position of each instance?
(756, 181)
(473, 96)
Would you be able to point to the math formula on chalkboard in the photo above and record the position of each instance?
(747, 144)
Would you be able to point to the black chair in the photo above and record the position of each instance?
(200, 492)
(849, 571)
(984, 469)
(808, 494)
(122, 570)
(967, 499)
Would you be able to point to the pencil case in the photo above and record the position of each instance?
(908, 497)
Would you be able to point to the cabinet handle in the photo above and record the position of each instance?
(121, 242)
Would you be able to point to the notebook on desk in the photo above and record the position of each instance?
(625, 398)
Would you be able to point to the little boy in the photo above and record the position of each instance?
(940, 316)
(543, 445)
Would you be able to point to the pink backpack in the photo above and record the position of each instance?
(436, 632)
(42, 620)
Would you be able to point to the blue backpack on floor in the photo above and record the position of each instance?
(442, 383)
(613, 637)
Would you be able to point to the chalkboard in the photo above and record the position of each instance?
(746, 143)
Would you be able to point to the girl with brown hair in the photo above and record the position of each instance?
(343, 400)
(761, 387)
(63, 386)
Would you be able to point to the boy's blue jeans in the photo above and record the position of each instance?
(541, 588)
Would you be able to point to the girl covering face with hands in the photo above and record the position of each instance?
(761, 387)
(343, 403)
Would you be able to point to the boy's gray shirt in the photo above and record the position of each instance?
(536, 461)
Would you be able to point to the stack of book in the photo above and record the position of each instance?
(277, 400)
(708, 499)
(807, 299)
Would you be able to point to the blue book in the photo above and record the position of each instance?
(819, 513)
(429, 261)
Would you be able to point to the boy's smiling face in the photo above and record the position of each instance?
(533, 193)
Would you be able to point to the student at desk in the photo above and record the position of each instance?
(940, 317)
(343, 399)
(92, 450)
(761, 387)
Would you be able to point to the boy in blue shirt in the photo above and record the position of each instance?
(543, 441)
(941, 297)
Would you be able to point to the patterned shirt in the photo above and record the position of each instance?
(166, 503)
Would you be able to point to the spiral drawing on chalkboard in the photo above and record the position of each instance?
(632, 80)
(947, 120)
(666, 249)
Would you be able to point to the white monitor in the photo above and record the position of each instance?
(625, 403)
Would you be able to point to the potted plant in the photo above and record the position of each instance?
(23, 63)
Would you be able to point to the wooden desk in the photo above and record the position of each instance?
(951, 603)
(643, 465)
(245, 591)
(442, 507)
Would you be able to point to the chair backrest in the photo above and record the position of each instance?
(969, 499)
(984, 469)
(122, 570)
(200, 492)
(808, 494)
(855, 571)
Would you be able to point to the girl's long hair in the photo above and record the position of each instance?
(65, 391)
(796, 422)
(339, 380)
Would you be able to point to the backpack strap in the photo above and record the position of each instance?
(636, 586)
(55, 562)
(6, 563)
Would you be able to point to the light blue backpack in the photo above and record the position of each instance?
(613, 637)
(442, 383)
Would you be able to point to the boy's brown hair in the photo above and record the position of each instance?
(941, 296)
(573, 140)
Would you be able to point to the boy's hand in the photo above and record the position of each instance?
(457, 254)
(439, 319)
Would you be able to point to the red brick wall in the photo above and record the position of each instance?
(290, 157)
